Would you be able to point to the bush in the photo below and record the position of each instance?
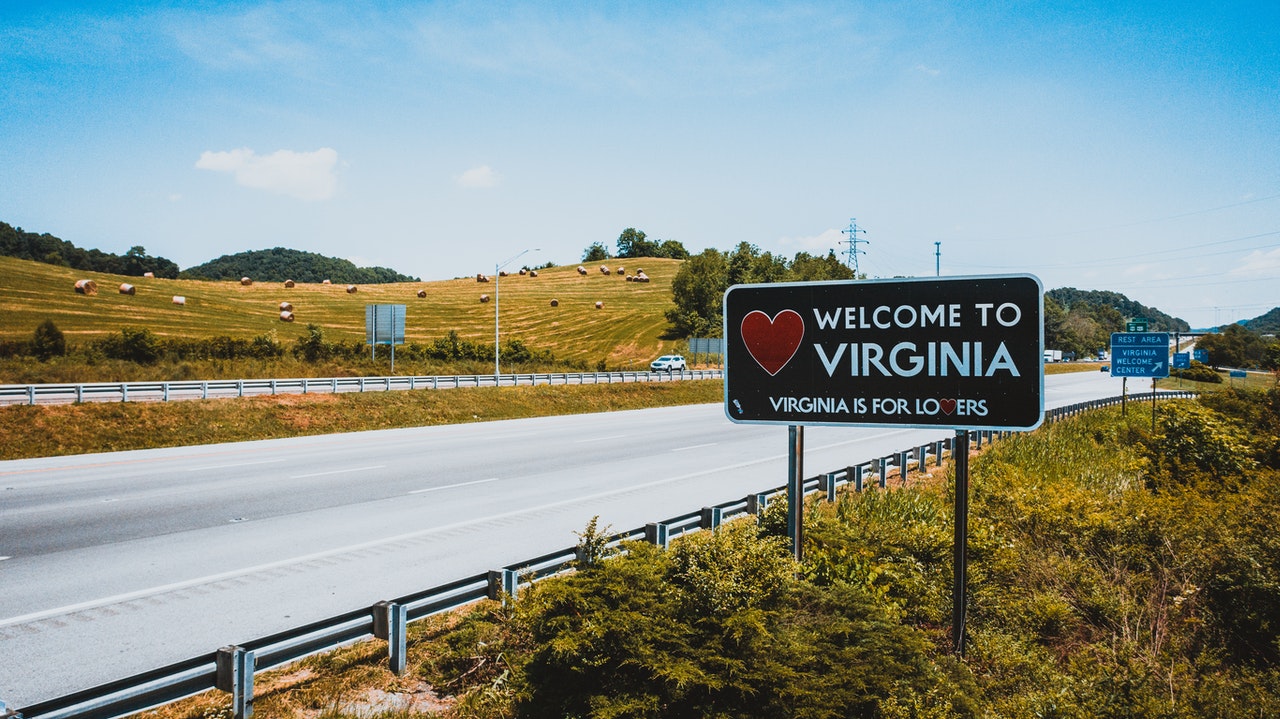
(48, 342)
(1197, 373)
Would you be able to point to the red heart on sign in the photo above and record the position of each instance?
(948, 405)
(772, 342)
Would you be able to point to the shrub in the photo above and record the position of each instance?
(48, 342)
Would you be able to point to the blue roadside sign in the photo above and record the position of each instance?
(1140, 354)
(1238, 373)
(1181, 360)
(1201, 356)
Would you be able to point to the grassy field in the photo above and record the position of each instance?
(626, 332)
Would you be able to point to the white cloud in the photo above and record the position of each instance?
(816, 244)
(479, 177)
(1259, 264)
(304, 175)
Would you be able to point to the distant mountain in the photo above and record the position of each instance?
(15, 242)
(279, 264)
(1070, 298)
(1267, 324)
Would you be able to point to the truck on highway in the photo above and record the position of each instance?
(1052, 356)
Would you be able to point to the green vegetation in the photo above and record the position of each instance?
(52, 430)
(279, 264)
(1116, 573)
(698, 288)
(16, 243)
(1268, 323)
(634, 244)
(627, 333)
(1237, 346)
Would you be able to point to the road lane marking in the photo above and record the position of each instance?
(695, 446)
(337, 471)
(599, 439)
(228, 466)
(452, 486)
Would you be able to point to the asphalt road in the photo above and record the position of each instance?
(113, 564)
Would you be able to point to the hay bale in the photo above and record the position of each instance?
(481, 277)
(127, 289)
(622, 270)
(523, 271)
(179, 300)
(286, 306)
(325, 282)
(604, 270)
(630, 278)
(502, 273)
(422, 293)
(555, 303)
(641, 277)
(86, 287)
(351, 289)
(599, 305)
(149, 274)
(533, 273)
(288, 283)
(484, 298)
(286, 316)
(246, 281)
(582, 270)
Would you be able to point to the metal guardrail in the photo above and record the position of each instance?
(211, 389)
(231, 669)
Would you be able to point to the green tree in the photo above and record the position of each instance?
(595, 253)
(48, 342)
(698, 293)
(312, 347)
(633, 243)
(673, 249)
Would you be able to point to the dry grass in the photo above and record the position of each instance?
(53, 430)
(627, 332)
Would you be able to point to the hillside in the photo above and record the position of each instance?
(20, 244)
(279, 264)
(1070, 298)
(1267, 324)
(627, 331)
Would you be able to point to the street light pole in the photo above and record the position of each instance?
(497, 283)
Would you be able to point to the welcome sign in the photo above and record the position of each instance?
(957, 352)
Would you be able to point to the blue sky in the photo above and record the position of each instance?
(1132, 147)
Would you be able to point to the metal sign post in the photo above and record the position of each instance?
(962, 353)
(960, 562)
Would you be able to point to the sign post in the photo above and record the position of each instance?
(1141, 354)
(961, 353)
(384, 325)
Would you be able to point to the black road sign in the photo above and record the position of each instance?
(955, 352)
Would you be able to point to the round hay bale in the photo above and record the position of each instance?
(599, 305)
(502, 273)
(127, 289)
(286, 316)
(288, 283)
(555, 303)
(481, 277)
(351, 289)
(582, 270)
(622, 270)
(179, 300)
(484, 298)
(523, 271)
(325, 282)
(286, 306)
(246, 281)
(533, 273)
(86, 287)
(149, 274)
(422, 293)
(604, 270)
(630, 278)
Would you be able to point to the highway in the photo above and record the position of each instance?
(113, 564)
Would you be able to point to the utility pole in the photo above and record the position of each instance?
(937, 259)
(852, 252)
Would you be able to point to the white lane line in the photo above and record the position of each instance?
(599, 439)
(337, 471)
(695, 446)
(227, 466)
(4, 558)
(452, 486)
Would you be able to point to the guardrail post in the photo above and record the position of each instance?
(657, 533)
(712, 517)
(239, 388)
(827, 485)
(854, 474)
(235, 675)
(164, 386)
(884, 472)
(504, 584)
(273, 387)
(922, 454)
(756, 503)
(124, 392)
(390, 623)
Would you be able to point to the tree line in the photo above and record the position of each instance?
(279, 264)
(15, 242)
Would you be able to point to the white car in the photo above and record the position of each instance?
(668, 363)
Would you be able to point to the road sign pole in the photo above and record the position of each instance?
(1153, 405)
(795, 490)
(960, 563)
